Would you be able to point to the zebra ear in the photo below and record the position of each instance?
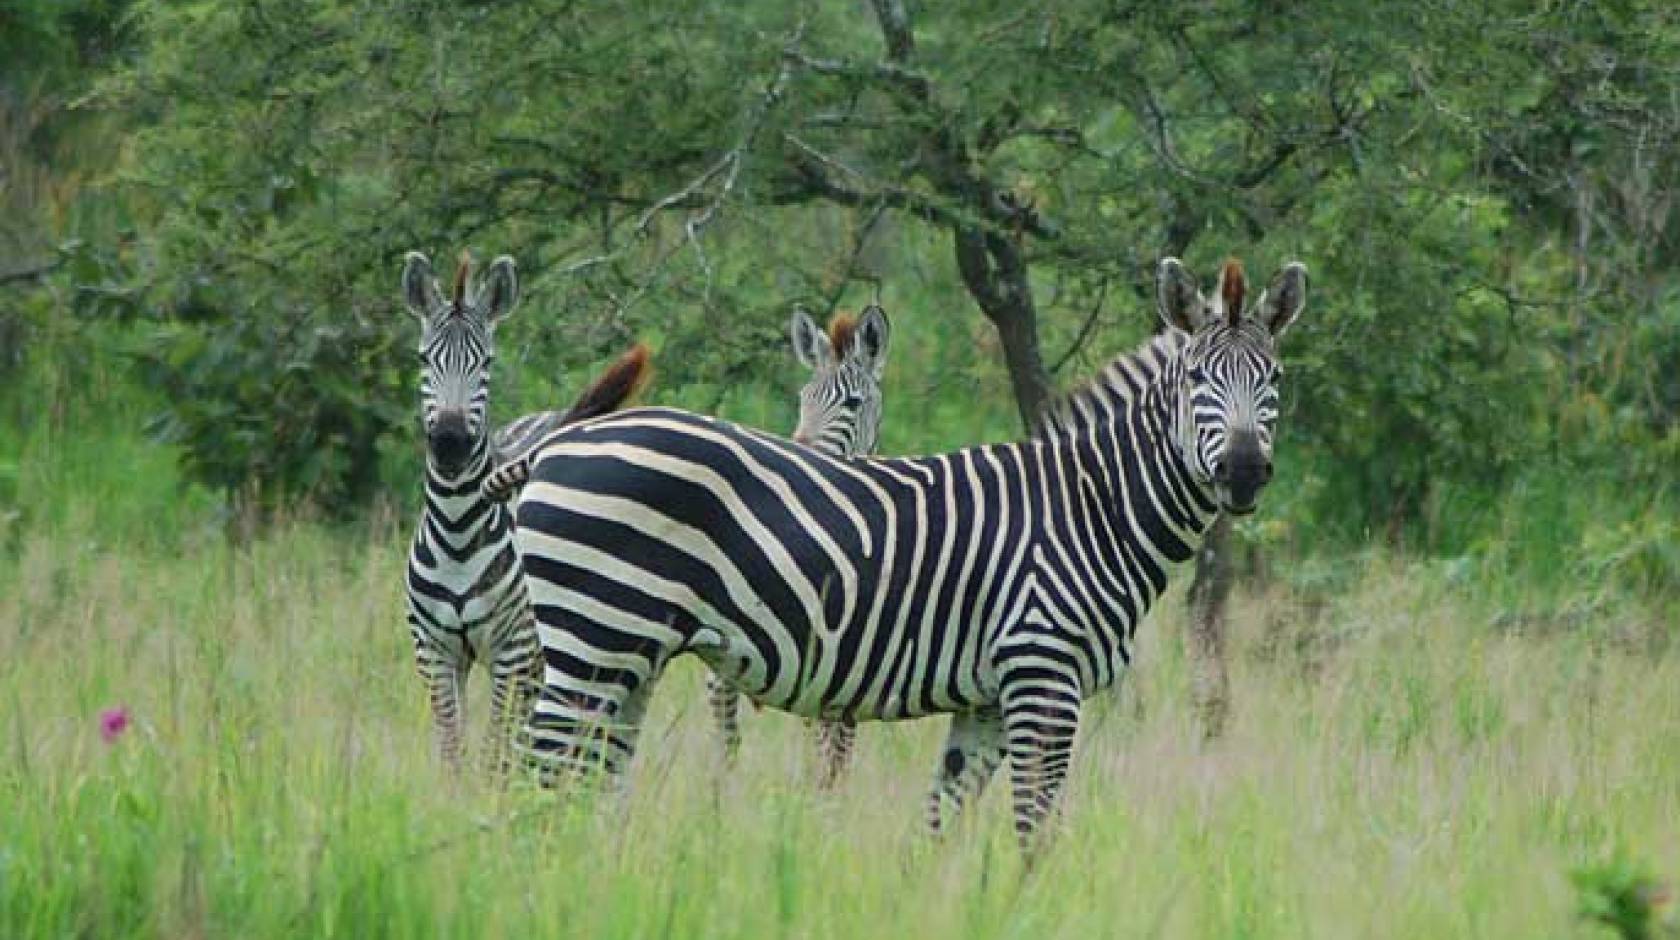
(1177, 297)
(1284, 298)
(499, 291)
(419, 287)
(810, 343)
(869, 342)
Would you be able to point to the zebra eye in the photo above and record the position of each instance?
(1198, 375)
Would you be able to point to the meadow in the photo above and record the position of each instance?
(1455, 676)
(1408, 757)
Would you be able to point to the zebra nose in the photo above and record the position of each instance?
(1245, 474)
(449, 437)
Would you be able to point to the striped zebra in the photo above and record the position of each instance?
(840, 414)
(1001, 584)
(466, 596)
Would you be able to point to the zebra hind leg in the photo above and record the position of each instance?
(835, 740)
(971, 755)
(589, 712)
(1041, 719)
(725, 705)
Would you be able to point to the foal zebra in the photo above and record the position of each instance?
(1002, 584)
(466, 593)
(839, 414)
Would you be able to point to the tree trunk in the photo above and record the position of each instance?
(1210, 685)
(996, 276)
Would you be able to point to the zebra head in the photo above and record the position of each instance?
(457, 344)
(1227, 375)
(840, 405)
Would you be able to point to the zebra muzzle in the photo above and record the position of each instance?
(449, 440)
(1241, 472)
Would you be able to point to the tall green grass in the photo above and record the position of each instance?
(1422, 746)
(1398, 766)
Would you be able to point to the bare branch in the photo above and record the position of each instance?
(30, 274)
(859, 241)
(708, 192)
(1084, 331)
(891, 75)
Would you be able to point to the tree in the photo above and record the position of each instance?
(688, 169)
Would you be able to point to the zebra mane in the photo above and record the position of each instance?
(1120, 383)
(841, 331)
(462, 272)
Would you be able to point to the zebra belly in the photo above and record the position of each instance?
(841, 679)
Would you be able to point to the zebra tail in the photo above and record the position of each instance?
(621, 382)
(506, 480)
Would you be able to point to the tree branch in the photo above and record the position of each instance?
(725, 171)
(1084, 331)
(895, 29)
(887, 74)
(34, 273)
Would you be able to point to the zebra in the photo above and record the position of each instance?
(466, 595)
(1001, 584)
(839, 413)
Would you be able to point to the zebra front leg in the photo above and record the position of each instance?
(725, 704)
(834, 751)
(513, 689)
(445, 678)
(1041, 719)
(968, 761)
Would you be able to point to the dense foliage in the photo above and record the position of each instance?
(1484, 193)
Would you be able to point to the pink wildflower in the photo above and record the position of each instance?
(113, 722)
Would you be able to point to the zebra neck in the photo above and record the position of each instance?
(1130, 459)
(457, 498)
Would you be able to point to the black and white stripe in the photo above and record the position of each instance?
(1001, 584)
(839, 414)
(466, 590)
(466, 596)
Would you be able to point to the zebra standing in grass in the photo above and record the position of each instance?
(839, 413)
(466, 593)
(1001, 584)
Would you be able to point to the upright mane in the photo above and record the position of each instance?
(462, 271)
(1117, 385)
(841, 330)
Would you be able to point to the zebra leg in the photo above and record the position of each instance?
(971, 755)
(834, 750)
(725, 705)
(596, 682)
(1041, 718)
(513, 686)
(445, 677)
(582, 733)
